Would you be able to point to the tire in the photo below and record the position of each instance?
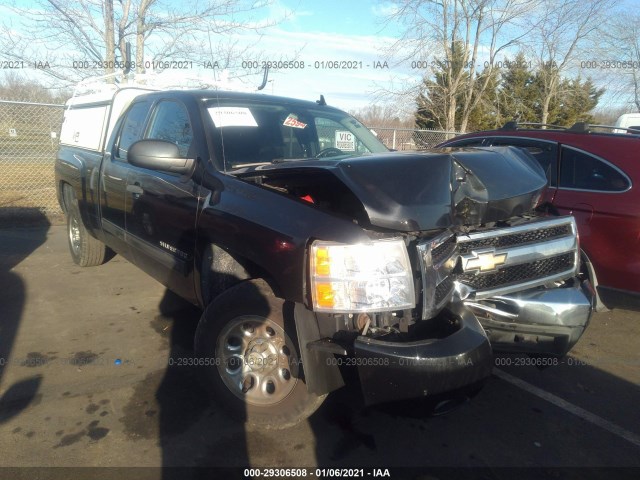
(251, 366)
(85, 250)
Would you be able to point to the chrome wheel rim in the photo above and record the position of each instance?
(74, 235)
(256, 360)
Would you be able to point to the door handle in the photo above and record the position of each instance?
(135, 189)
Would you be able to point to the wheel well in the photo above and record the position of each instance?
(222, 269)
(64, 188)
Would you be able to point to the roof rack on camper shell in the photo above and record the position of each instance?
(104, 86)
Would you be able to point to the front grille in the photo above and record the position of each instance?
(444, 290)
(520, 238)
(519, 273)
(438, 256)
(443, 251)
(496, 261)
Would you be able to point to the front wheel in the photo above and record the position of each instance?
(253, 366)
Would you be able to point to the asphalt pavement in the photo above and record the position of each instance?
(89, 378)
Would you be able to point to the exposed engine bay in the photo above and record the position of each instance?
(444, 189)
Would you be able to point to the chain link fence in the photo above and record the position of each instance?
(29, 134)
(410, 139)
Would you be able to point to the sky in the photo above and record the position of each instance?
(314, 34)
(340, 49)
(343, 45)
(355, 30)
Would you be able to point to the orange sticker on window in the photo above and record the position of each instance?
(292, 121)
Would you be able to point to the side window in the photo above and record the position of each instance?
(546, 153)
(581, 171)
(170, 122)
(132, 128)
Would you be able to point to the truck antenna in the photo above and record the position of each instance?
(127, 59)
(264, 78)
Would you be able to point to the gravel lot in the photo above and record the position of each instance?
(85, 381)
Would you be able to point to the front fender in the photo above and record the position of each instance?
(269, 230)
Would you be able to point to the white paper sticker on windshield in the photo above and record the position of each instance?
(232, 117)
(292, 121)
(345, 141)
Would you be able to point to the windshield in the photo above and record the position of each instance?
(256, 132)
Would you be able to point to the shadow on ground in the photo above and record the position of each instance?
(18, 244)
(188, 420)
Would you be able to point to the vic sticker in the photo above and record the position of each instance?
(345, 141)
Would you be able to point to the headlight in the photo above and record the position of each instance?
(361, 278)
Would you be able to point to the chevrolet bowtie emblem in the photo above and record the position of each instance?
(485, 261)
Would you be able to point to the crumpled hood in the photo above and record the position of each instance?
(446, 187)
(437, 189)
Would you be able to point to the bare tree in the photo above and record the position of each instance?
(563, 28)
(109, 38)
(620, 55)
(459, 33)
(71, 39)
(389, 115)
(124, 24)
(14, 86)
(184, 32)
(81, 38)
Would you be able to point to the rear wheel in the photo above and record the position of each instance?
(251, 363)
(86, 250)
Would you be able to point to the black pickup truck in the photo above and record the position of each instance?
(309, 246)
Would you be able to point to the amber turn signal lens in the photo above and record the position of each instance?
(325, 296)
(323, 263)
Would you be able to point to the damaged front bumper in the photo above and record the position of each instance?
(536, 321)
(392, 371)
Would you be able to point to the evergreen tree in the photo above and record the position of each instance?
(576, 99)
(518, 91)
(516, 94)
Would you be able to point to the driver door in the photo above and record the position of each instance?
(161, 222)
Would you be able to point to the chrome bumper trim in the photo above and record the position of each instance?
(539, 320)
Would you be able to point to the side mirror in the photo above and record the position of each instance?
(158, 155)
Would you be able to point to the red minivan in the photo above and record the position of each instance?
(595, 177)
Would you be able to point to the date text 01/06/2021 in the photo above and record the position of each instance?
(317, 472)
